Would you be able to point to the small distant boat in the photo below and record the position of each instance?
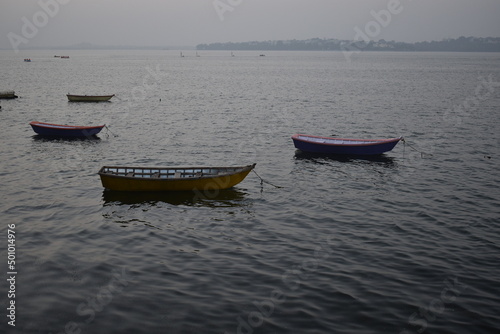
(64, 57)
(27, 60)
(8, 94)
(172, 178)
(89, 98)
(72, 131)
(327, 145)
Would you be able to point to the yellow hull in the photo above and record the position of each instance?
(204, 183)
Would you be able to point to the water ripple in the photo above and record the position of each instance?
(405, 241)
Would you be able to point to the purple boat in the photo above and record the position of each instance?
(327, 145)
(72, 131)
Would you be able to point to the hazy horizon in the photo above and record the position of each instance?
(155, 23)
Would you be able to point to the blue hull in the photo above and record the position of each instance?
(346, 149)
(52, 130)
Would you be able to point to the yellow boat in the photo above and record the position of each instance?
(172, 178)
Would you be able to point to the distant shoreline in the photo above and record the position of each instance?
(461, 44)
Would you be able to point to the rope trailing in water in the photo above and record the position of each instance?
(422, 154)
(264, 181)
(115, 135)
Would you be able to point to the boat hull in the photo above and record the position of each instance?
(65, 131)
(8, 95)
(165, 179)
(89, 98)
(340, 146)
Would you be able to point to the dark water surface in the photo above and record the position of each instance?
(407, 242)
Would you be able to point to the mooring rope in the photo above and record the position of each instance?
(264, 181)
(115, 135)
(413, 148)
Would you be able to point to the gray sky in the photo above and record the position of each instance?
(191, 22)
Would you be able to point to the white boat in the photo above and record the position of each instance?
(89, 98)
(8, 94)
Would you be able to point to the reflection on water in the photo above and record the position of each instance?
(64, 139)
(212, 199)
(390, 229)
(319, 157)
(161, 210)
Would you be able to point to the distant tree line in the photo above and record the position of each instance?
(461, 44)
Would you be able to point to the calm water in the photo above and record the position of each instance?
(405, 243)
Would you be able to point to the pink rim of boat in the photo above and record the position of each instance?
(60, 130)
